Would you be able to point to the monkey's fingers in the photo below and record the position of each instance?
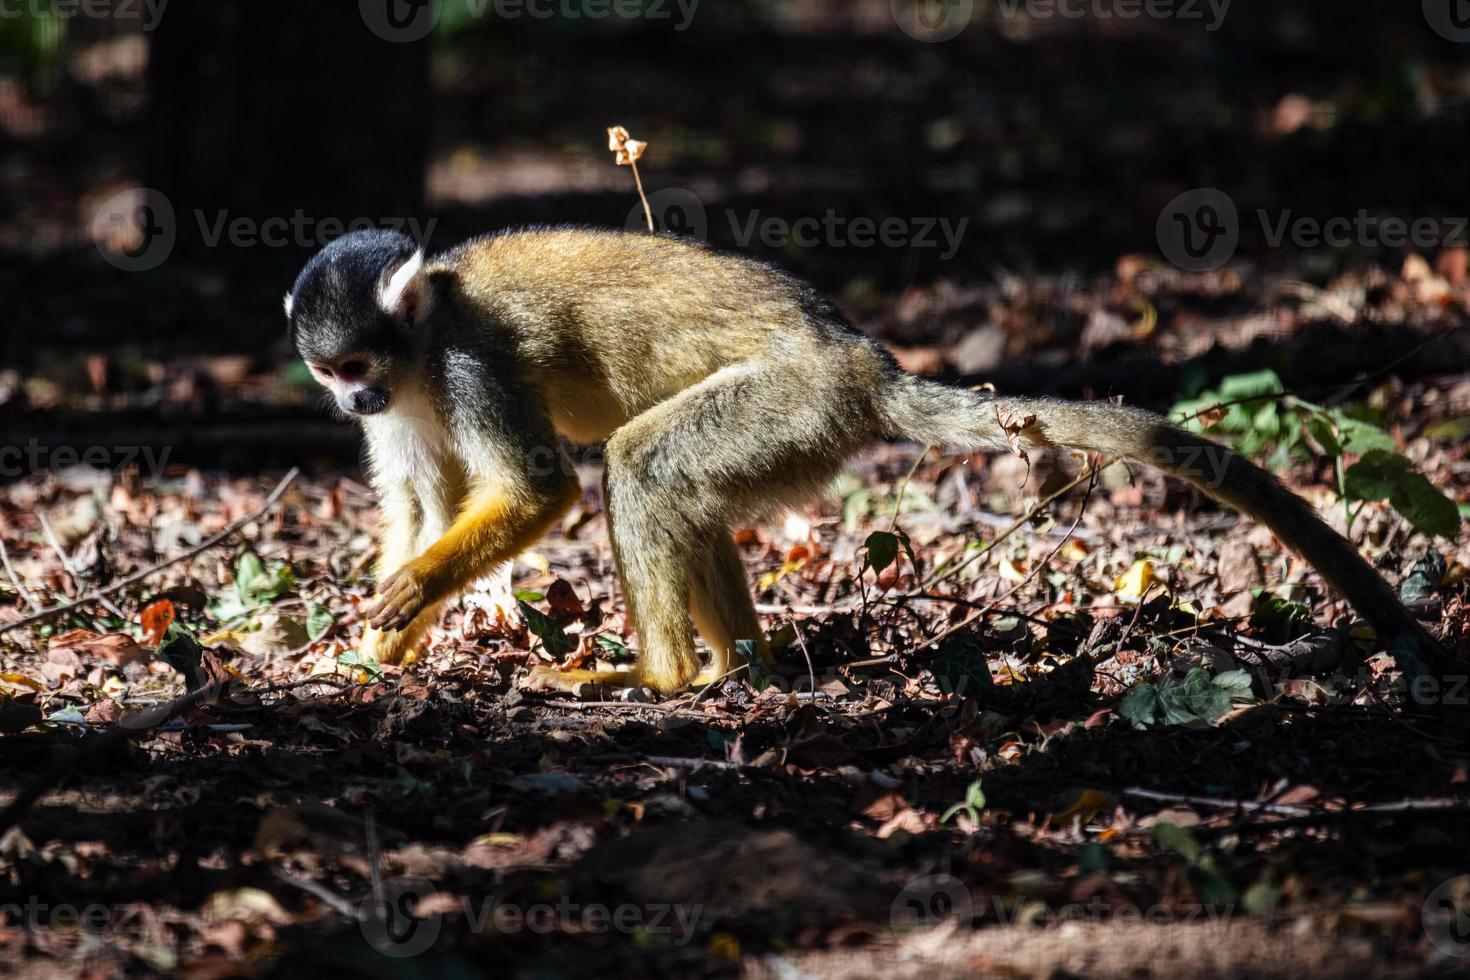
(400, 599)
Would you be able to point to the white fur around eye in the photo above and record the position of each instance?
(391, 292)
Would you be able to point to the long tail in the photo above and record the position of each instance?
(945, 416)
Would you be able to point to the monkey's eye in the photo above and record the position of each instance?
(352, 370)
(323, 370)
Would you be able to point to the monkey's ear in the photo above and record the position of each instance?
(290, 303)
(403, 290)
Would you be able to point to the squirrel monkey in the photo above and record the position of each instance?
(723, 389)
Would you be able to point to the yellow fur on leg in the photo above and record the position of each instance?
(720, 605)
(400, 647)
(550, 679)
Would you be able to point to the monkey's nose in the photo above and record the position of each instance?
(369, 401)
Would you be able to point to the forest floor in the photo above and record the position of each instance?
(1120, 733)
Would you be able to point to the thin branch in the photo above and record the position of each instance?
(138, 576)
(15, 579)
(1015, 526)
(1089, 474)
(71, 568)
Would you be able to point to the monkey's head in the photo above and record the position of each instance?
(352, 313)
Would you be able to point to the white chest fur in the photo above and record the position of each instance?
(407, 440)
(411, 449)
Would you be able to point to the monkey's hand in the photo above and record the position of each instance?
(401, 597)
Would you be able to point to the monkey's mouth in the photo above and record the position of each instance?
(367, 401)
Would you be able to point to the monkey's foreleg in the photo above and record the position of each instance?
(494, 526)
(399, 527)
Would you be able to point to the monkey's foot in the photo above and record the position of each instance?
(551, 679)
(399, 647)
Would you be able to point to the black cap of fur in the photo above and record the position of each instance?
(334, 306)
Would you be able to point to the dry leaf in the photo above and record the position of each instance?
(1014, 424)
(117, 649)
(1132, 584)
(629, 151)
(156, 619)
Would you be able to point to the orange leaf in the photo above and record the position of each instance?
(156, 619)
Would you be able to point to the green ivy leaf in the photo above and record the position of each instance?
(1279, 620)
(1236, 684)
(1140, 705)
(553, 638)
(1358, 436)
(1424, 578)
(615, 648)
(757, 671)
(1426, 507)
(1322, 431)
(1375, 476)
(882, 550)
(1255, 384)
(1382, 475)
(1212, 887)
(181, 650)
(366, 663)
(1177, 839)
(319, 619)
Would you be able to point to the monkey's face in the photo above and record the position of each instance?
(357, 387)
(350, 313)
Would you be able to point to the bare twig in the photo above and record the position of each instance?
(15, 579)
(1016, 525)
(96, 594)
(1089, 474)
(1215, 803)
(71, 568)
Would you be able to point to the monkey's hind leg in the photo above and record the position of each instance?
(720, 605)
(721, 610)
(750, 437)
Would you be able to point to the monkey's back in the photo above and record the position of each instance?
(625, 320)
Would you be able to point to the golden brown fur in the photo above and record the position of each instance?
(723, 390)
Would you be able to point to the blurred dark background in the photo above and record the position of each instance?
(165, 168)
